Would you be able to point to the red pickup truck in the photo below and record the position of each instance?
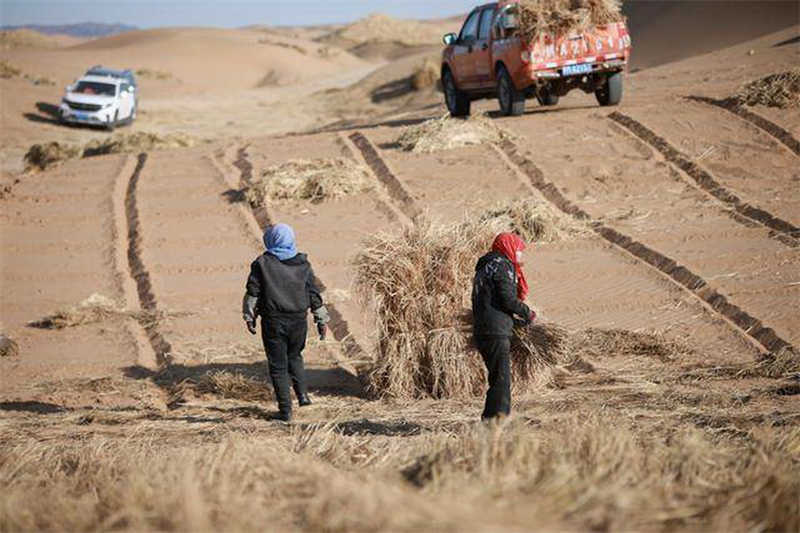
(488, 58)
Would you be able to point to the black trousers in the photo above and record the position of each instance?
(284, 340)
(496, 353)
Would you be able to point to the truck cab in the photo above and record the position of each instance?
(490, 58)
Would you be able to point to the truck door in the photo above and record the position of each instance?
(482, 52)
(463, 63)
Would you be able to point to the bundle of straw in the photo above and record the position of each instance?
(418, 284)
(447, 133)
(558, 17)
(309, 179)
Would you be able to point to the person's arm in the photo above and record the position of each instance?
(250, 300)
(506, 287)
(315, 297)
(321, 316)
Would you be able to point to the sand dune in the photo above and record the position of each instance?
(24, 38)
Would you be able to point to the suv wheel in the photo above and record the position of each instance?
(512, 101)
(113, 123)
(457, 102)
(610, 93)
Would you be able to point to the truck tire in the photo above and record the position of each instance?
(611, 92)
(512, 101)
(457, 102)
(546, 97)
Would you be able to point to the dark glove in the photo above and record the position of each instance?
(251, 327)
(322, 329)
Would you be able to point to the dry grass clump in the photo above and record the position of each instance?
(95, 308)
(309, 179)
(540, 17)
(602, 472)
(234, 386)
(8, 70)
(153, 74)
(536, 221)
(780, 90)
(783, 363)
(45, 155)
(425, 75)
(141, 141)
(599, 343)
(8, 346)
(417, 283)
(447, 133)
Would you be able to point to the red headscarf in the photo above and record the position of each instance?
(509, 244)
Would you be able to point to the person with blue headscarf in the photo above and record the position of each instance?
(281, 288)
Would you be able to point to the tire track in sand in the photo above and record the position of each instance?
(765, 125)
(338, 324)
(751, 326)
(144, 287)
(783, 231)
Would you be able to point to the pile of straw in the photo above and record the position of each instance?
(596, 343)
(558, 17)
(535, 221)
(780, 90)
(95, 308)
(447, 133)
(141, 141)
(8, 70)
(233, 386)
(426, 75)
(45, 155)
(418, 283)
(309, 179)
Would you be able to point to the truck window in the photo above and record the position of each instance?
(470, 30)
(486, 23)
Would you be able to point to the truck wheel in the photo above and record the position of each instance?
(611, 92)
(512, 101)
(457, 102)
(546, 97)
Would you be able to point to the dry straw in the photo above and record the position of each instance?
(447, 133)
(95, 308)
(418, 283)
(233, 386)
(541, 17)
(309, 179)
(780, 90)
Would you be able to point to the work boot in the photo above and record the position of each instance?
(284, 416)
(303, 400)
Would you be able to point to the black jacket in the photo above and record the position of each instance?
(283, 288)
(494, 297)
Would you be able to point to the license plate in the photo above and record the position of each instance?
(572, 70)
(81, 116)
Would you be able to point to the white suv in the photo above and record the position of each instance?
(100, 101)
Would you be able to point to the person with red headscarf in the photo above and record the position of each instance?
(498, 293)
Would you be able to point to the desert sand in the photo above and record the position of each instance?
(700, 439)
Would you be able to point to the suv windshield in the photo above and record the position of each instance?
(93, 87)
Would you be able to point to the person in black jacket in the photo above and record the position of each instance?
(281, 288)
(498, 293)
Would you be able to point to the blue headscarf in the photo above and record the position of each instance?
(279, 241)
